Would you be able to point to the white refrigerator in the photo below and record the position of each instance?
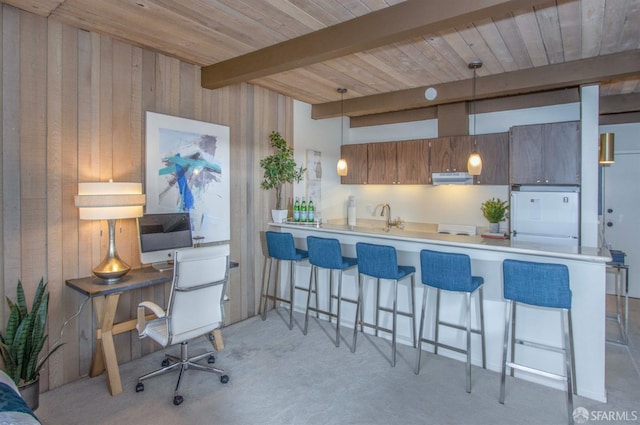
(545, 215)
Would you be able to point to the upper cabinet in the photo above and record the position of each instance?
(450, 154)
(545, 154)
(494, 151)
(413, 161)
(382, 164)
(356, 157)
(404, 162)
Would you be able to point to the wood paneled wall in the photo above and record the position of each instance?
(73, 110)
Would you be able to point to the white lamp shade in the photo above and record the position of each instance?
(109, 200)
(474, 164)
(342, 167)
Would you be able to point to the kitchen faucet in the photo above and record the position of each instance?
(388, 222)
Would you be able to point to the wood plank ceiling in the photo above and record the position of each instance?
(530, 47)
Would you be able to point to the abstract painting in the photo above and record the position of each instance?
(187, 170)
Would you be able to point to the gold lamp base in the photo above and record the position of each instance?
(112, 268)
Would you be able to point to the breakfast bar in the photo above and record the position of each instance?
(587, 268)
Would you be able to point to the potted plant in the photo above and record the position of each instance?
(23, 339)
(279, 168)
(495, 211)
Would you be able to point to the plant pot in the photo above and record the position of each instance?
(30, 392)
(279, 216)
(495, 227)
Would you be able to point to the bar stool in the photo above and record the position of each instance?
(541, 285)
(622, 319)
(450, 272)
(381, 262)
(326, 253)
(281, 247)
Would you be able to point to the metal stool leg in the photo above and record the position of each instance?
(468, 296)
(377, 304)
(505, 346)
(338, 307)
(265, 291)
(395, 323)
(568, 346)
(483, 342)
(437, 320)
(571, 353)
(291, 292)
(413, 309)
(513, 335)
(420, 335)
(312, 275)
(358, 313)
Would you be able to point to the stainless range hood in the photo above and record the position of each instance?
(451, 178)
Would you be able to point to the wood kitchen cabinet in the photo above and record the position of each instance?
(450, 154)
(401, 162)
(356, 157)
(494, 151)
(545, 153)
(413, 162)
(382, 163)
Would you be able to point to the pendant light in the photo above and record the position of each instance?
(342, 166)
(474, 163)
(605, 156)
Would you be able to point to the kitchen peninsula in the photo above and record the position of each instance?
(587, 273)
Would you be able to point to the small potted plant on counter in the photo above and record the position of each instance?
(279, 168)
(495, 211)
(23, 339)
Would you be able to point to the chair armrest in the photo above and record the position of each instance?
(155, 309)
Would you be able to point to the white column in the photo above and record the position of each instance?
(589, 116)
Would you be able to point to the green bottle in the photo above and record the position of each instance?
(303, 210)
(311, 213)
(296, 209)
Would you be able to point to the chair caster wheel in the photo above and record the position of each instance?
(211, 359)
(224, 379)
(211, 337)
(166, 363)
(139, 387)
(177, 400)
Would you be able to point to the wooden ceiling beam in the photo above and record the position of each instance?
(620, 103)
(568, 74)
(412, 18)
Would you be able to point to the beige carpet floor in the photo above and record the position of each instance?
(283, 377)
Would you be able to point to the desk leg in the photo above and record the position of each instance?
(104, 355)
(217, 342)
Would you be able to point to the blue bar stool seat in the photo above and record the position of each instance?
(450, 272)
(325, 253)
(381, 262)
(281, 247)
(541, 285)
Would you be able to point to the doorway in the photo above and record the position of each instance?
(620, 215)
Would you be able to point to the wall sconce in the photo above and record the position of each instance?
(474, 163)
(342, 166)
(110, 201)
(606, 149)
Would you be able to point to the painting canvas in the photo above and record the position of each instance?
(314, 177)
(187, 170)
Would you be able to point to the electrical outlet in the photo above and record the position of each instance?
(369, 209)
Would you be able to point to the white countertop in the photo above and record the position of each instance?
(472, 242)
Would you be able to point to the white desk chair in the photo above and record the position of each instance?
(195, 308)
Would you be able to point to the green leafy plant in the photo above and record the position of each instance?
(24, 336)
(280, 168)
(494, 210)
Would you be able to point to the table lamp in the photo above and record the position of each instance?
(110, 201)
